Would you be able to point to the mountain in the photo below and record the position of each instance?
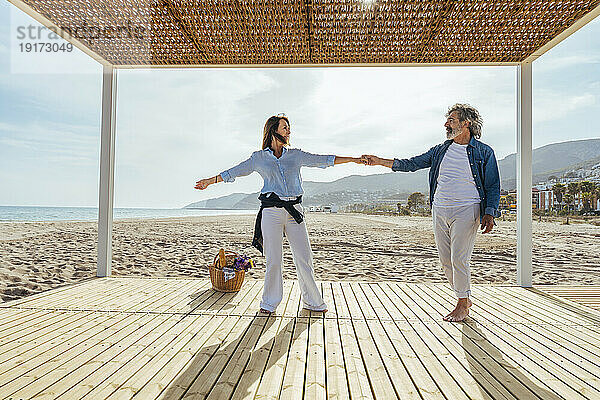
(553, 159)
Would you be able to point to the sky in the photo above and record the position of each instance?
(176, 126)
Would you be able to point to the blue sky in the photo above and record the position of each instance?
(176, 126)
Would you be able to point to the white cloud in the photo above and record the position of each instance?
(550, 105)
(52, 138)
(552, 64)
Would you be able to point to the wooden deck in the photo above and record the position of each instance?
(588, 296)
(177, 338)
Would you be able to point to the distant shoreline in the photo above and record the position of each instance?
(89, 214)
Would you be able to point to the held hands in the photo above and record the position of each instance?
(370, 159)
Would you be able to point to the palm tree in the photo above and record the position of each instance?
(587, 189)
(568, 198)
(558, 190)
(574, 189)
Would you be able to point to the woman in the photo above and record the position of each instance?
(280, 212)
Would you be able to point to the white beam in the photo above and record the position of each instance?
(524, 175)
(580, 23)
(107, 170)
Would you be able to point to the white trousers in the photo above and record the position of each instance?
(455, 229)
(276, 221)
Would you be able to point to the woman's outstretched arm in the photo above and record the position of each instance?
(343, 160)
(242, 169)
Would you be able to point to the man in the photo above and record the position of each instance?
(464, 192)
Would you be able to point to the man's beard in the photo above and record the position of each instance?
(452, 133)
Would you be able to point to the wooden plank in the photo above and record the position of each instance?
(367, 310)
(21, 370)
(574, 314)
(450, 355)
(396, 371)
(359, 385)
(419, 337)
(341, 307)
(291, 307)
(240, 307)
(351, 302)
(271, 382)
(113, 293)
(168, 349)
(102, 368)
(337, 382)
(358, 381)
(418, 373)
(328, 297)
(262, 355)
(564, 340)
(293, 380)
(18, 303)
(314, 383)
(182, 363)
(157, 361)
(544, 352)
(380, 382)
(494, 374)
(576, 355)
(35, 338)
(55, 376)
(573, 333)
(137, 357)
(170, 291)
(80, 297)
(115, 361)
(229, 378)
(546, 377)
(193, 295)
(203, 355)
(211, 372)
(137, 381)
(544, 305)
(254, 371)
(11, 316)
(388, 309)
(17, 331)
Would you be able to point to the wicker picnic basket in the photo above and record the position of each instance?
(217, 277)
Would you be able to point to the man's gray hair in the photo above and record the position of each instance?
(468, 113)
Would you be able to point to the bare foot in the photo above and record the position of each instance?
(323, 311)
(460, 312)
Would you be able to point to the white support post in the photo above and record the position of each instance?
(524, 175)
(107, 170)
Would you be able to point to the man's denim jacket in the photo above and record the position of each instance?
(483, 166)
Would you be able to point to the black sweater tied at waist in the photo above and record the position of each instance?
(272, 200)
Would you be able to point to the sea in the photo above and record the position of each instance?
(31, 213)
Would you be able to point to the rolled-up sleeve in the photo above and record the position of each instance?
(316, 160)
(242, 169)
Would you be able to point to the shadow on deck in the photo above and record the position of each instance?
(177, 338)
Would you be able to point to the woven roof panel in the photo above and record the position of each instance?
(218, 32)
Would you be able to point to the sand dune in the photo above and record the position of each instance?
(38, 256)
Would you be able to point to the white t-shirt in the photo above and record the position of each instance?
(455, 184)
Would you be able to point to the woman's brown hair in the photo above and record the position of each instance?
(270, 131)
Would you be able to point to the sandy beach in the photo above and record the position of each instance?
(37, 256)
